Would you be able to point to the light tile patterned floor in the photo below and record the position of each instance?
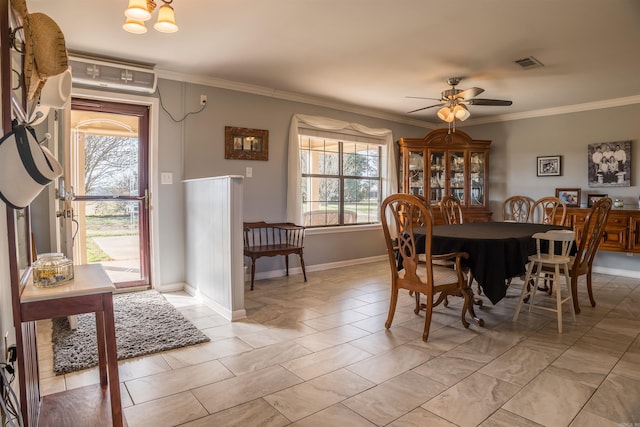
(317, 354)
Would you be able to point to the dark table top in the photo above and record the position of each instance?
(497, 250)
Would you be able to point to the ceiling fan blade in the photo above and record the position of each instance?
(469, 93)
(424, 108)
(421, 97)
(492, 102)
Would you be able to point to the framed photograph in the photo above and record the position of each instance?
(609, 164)
(570, 196)
(592, 198)
(549, 166)
(246, 144)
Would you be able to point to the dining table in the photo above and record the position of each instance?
(497, 251)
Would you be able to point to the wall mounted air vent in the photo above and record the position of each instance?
(98, 73)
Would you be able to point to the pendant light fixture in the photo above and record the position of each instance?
(140, 11)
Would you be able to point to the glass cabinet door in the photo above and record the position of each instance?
(416, 173)
(477, 179)
(456, 175)
(437, 176)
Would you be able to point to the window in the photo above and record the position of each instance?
(341, 180)
(338, 172)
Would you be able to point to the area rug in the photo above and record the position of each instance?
(145, 323)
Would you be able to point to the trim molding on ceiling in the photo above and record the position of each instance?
(322, 102)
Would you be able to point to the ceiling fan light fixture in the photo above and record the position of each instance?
(134, 26)
(446, 114)
(140, 10)
(461, 112)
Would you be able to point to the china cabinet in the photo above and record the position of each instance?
(444, 163)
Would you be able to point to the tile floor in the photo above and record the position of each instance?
(317, 354)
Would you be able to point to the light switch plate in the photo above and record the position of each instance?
(166, 178)
(249, 172)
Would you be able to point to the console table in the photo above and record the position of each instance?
(91, 291)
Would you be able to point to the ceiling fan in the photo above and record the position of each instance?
(454, 101)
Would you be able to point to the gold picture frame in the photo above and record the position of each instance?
(246, 144)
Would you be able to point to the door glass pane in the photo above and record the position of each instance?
(477, 179)
(105, 155)
(456, 175)
(416, 175)
(437, 178)
(111, 237)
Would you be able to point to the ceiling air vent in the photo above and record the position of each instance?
(529, 62)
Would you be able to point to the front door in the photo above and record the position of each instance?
(109, 174)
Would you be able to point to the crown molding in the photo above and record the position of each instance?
(290, 96)
(323, 102)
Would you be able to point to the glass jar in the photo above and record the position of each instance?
(51, 269)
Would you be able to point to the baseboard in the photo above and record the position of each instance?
(617, 272)
(171, 287)
(318, 267)
(231, 315)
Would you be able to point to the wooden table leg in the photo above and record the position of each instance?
(470, 308)
(102, 359)
(112, 360)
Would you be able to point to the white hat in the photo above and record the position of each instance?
(56, 90)
(25, 167)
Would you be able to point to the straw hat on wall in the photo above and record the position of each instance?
(45, 50)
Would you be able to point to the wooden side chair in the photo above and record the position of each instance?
(543, 211)
(451, 210)
(420, 277)
(550, 266)
(589, 238)
(517, 209)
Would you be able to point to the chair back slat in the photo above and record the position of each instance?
(451, 210)
(544, 210)
(516, 209)
(591, 235)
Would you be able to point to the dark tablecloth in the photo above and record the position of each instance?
(497, 250)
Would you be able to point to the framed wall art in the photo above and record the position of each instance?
(609, 164)
(246, 144)
(592, 198)
(549, 166)
(570, 196)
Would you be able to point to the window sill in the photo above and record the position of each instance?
(342, 229)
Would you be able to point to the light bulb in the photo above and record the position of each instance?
(138, 10)
(166, 20)
(461, 112)
(134, 26)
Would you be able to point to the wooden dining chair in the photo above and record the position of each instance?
(543, 211)
(550, 266)
(589, 237)
(399, 211)
(451, 210)
(517, 208)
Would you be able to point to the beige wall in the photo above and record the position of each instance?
(516, 144)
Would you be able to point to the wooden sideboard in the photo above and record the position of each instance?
(622, 232)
